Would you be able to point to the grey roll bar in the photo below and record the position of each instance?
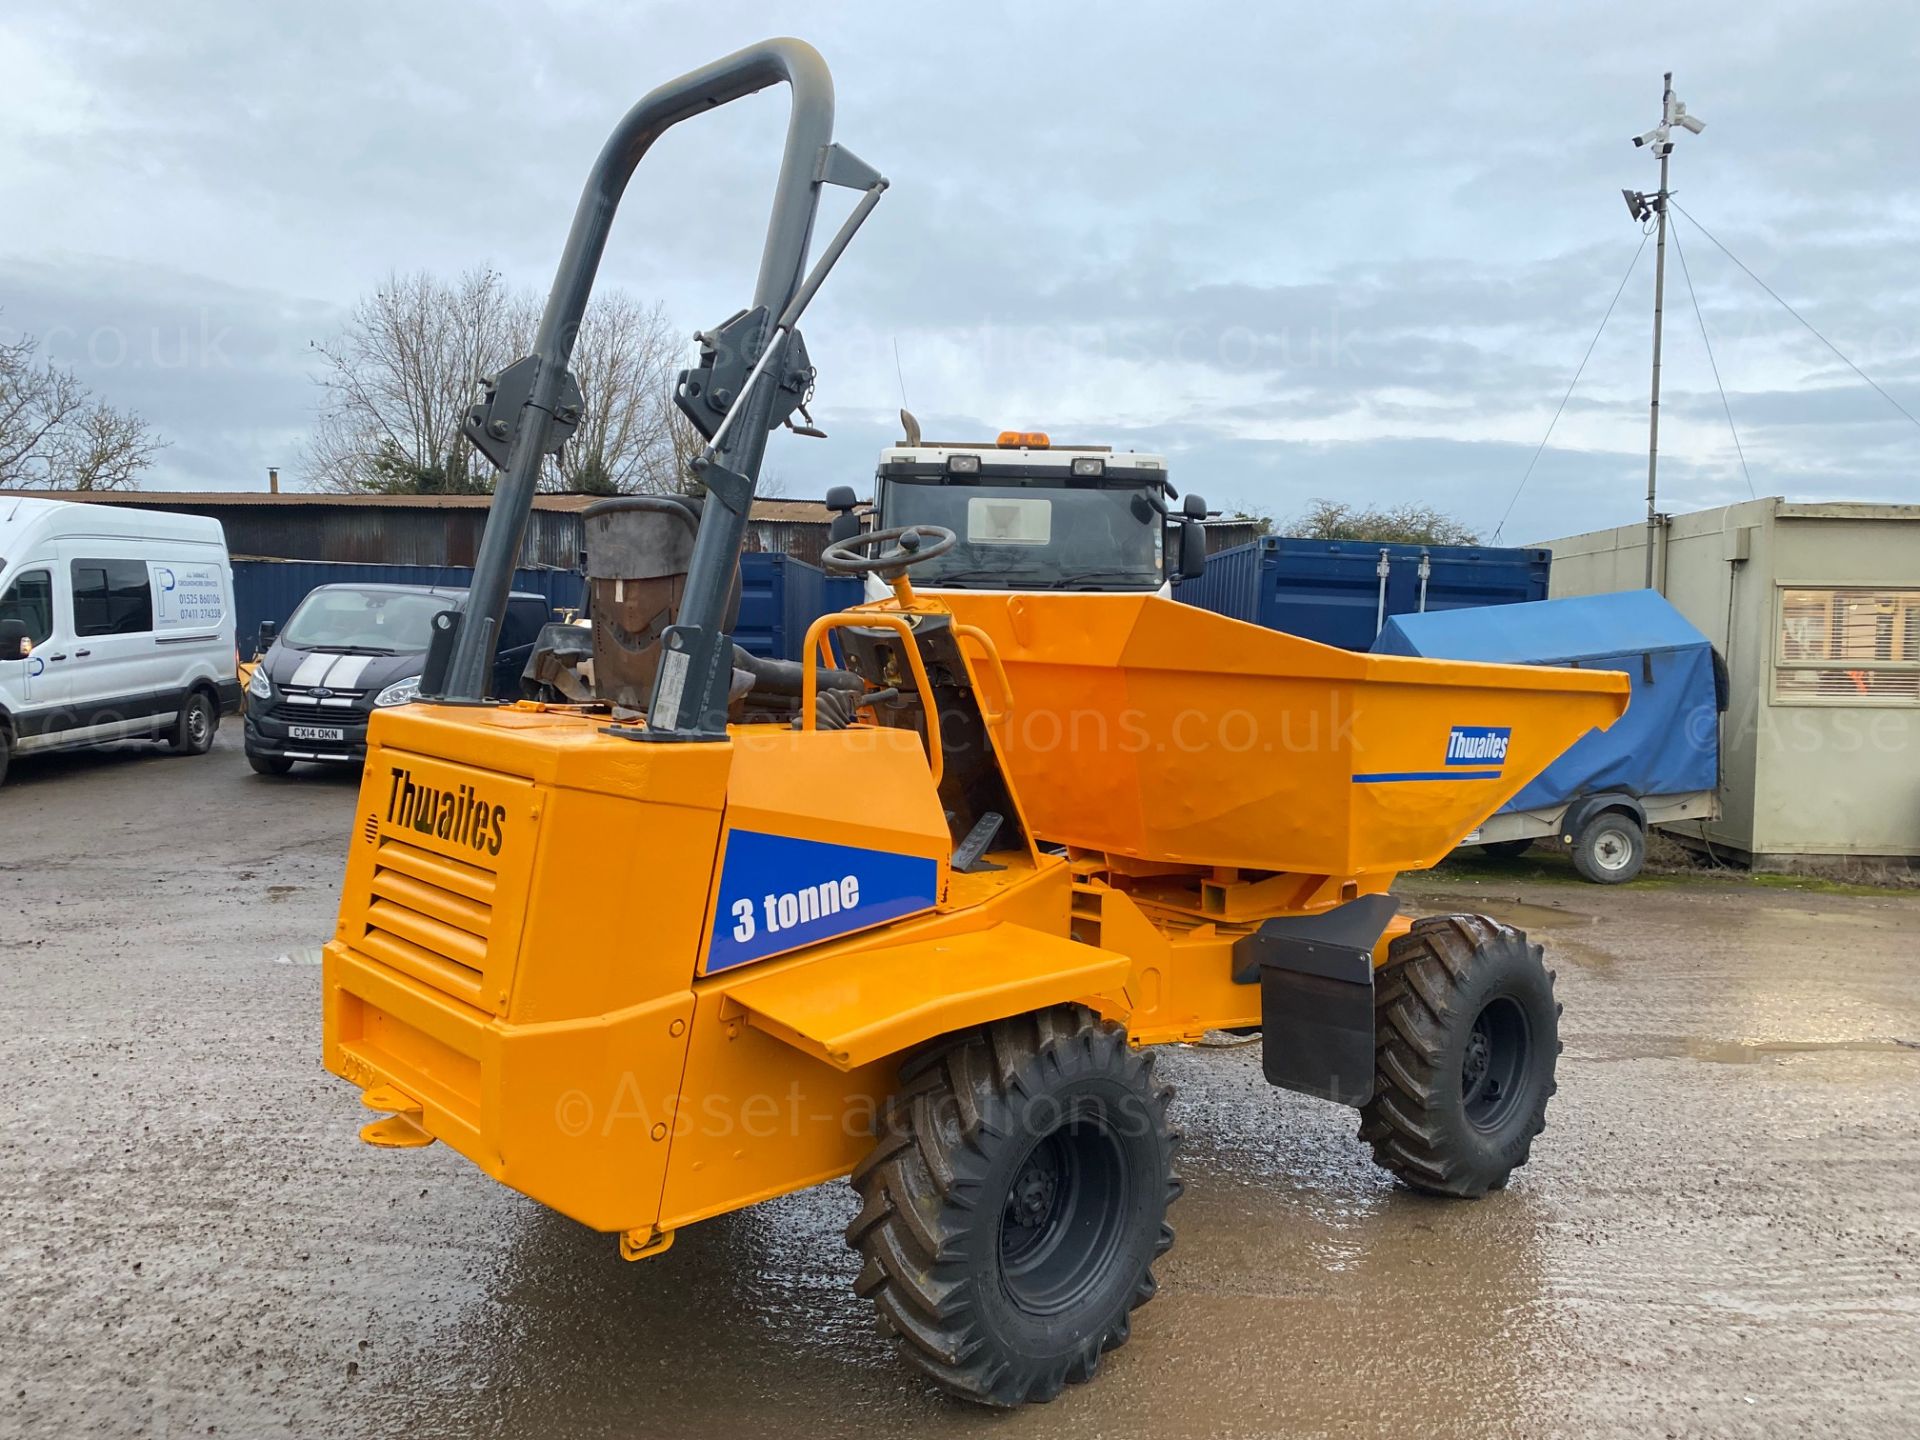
(692, 663)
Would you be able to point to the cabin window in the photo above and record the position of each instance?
(1848, 646)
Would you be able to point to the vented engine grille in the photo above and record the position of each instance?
(314, 713)
(431, 918)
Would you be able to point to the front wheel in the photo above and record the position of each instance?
(268, 764)
(1466, 1037)
(199, 718)
(1014, 1203)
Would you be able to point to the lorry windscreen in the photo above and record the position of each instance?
(1035, 536)
(350, 619)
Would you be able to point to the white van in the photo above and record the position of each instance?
(116, 623)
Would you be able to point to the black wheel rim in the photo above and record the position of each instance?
(1064, 1221)
(1493, 1071)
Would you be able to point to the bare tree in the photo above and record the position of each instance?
(55, 435)
(1408, 524)
(626, 359)
(399, 379)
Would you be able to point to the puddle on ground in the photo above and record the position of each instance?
(1740, 1052)
(1514, 911)
(1870, 920)
(1752, 1052)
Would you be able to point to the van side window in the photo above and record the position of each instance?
(111, 597)
(30, 599)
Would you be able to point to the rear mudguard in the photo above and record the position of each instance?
(1316, 997)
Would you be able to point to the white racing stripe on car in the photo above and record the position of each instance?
(313, 670)
(346, 673)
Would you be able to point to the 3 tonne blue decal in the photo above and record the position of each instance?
(1478, 745)
(778, 893)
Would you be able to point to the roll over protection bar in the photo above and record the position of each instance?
(690, 698)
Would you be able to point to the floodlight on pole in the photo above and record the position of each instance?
(1660, 139)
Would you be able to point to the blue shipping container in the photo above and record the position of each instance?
(780, 597)
(1331, 590)
(273, 589)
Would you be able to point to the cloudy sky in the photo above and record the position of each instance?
(1350, 251)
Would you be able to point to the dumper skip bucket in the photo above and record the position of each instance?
(1145, 728)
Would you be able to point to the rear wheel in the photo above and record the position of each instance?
(1466, 1036)
(1610, 848)
(268, 764)
(199, 718)
(1014, 1204)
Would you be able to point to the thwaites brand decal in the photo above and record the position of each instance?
(459, 815)
(1474, 752)
(1481, 746)
(778, 893)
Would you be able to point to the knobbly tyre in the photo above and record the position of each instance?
(595, 1010)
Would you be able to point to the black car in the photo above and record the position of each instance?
(351, 649)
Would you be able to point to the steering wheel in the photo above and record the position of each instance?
(909, 545)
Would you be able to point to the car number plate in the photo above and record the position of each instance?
(316, 732)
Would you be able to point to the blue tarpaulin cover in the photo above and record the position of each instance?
(1668, 741)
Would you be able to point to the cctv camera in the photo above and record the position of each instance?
(1692, 125)
(1652, 137)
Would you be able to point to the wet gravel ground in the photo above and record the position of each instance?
(1719, 1235)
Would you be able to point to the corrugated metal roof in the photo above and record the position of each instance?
(419, 529)
(792, 510)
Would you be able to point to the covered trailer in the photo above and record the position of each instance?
(1658, 765)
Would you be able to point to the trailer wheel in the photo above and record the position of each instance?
(1466, 1036)
(1014, 1203)
(199, 718)
(1610, 848)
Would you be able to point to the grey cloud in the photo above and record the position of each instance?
(1179, 232)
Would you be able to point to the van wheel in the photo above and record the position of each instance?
(268, 764)
(199, 719)
(1014, 1203)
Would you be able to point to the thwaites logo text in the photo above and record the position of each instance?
(1484, 745)
(460, 816)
